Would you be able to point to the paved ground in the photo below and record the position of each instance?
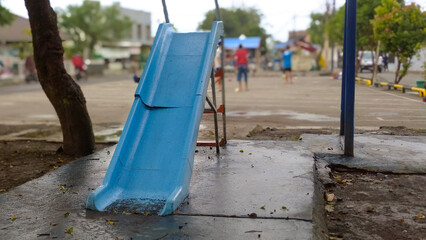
(225, 190)
(311, 102)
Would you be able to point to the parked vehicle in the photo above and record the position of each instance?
(367, 62)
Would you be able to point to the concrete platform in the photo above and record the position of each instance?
(225, 189)
(378, 153)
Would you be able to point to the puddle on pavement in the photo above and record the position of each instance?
(383, 114)
(109, 135)
(43, 116)
(291, 114)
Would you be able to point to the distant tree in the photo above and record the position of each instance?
(6, 17)
(316, 31)
(336, 26)
(64, 94)
(402, 31)
(91, 23)
(365, 40)
(238, 21)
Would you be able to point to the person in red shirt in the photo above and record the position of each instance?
(241, 59)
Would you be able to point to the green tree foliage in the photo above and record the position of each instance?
(91, 23)
(364, 29)
(316, 31)
(317, 28)
(336, 26)
(402, 31)
(238, 21)
(6, 17)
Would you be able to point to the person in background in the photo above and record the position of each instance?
(30, 70)
(241, 59)
(218, 67)
(79, 67)
(385, 62)
(286, 58)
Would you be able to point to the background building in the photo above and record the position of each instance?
(135, 47)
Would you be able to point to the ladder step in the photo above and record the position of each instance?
(222, 142)
(219, 110)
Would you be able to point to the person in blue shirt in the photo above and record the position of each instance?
(286, 67)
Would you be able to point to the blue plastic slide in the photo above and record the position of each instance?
(152, 165)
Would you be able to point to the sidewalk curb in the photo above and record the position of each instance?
(367, 82)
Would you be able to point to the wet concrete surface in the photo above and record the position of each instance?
(377, 153)
(266, 174)
(224, 190)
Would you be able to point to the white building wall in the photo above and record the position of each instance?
(141, 20)
(417, 62)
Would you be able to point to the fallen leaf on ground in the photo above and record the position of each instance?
(263, 207)
(370, 209)
(211, 133)
(110, 222)
(69, 230)
(13, 218)
(66, 214)
(335, 238)
(108, 152)
(329, 208)
(62, 188)
(420, 216)
(53, 224)
(43, 234)
(241, 150)
(329, 197)
(284, 208)
(253, 231)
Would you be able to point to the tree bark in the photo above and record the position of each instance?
(61, 90)
(398, 68)
(376, 62)
(358, 61)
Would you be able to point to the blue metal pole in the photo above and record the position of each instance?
(344, 71)
(350, 77)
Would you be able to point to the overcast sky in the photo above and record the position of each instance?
(280, 16)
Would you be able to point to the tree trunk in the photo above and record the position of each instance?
(318, 59)
(64, 94)
(358, 62)
(373, 61)
(326, 39)
(376, 62)
(397, 71)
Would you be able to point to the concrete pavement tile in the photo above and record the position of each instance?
(381, 153)
(267, 173)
